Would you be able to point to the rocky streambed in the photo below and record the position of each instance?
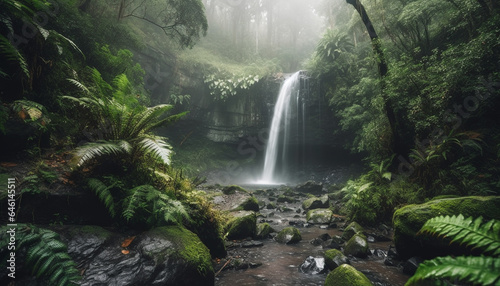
(294, 236)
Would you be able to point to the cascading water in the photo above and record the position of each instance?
(281, 123)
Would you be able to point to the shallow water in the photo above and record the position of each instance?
(280, 263)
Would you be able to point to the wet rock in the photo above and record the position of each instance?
(346, 275)
(357, 246)
(230, 190)
(298, 223)
(334, 258)
(289, 235)
(250, 204)
(316, 203)
(313, 265)
(243, 225)
(370, 238)
(263, 231)
(352, 229)
(379, 253)
(388, 261)
(285, 199)
(251, 244)
(310, 187)
(163, 256)
(255, 264)
(411, 265)
(319, 216)
(392, 252)
(320, 239)
(286, 209)
(330, 244)
(409, 219)
(271, 206)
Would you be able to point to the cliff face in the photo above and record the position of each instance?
(248, 113)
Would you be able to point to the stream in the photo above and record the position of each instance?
(279, 263)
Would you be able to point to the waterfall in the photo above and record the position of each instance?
(281, 123)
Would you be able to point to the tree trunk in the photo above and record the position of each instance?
(382, 69)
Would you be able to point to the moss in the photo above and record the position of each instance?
(334, 258)
(352, 229)
(289, 235)
(346, 275)
(190, 247)
(319, 216)
(98, 231)
(263, 230)
(250, 204)
(408, 220)
(229, 190)
(243, 225)
(357, 246)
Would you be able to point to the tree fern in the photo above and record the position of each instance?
(46, 256)
(478, 270)
(467, 231)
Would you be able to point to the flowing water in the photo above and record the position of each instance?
(279, 133)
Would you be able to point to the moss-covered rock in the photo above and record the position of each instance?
(243, 225)
(408, 220)
(334, 258)
(357, 246)
(285, 199)
(250, 204)
(310, 187)
(316, 203)
(352, 229)
(263, 230)
(230, 190)
(346, 275)
(289, 235)
(319, 216)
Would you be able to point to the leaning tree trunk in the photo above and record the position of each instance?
(382, 69)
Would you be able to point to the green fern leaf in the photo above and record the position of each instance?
(104, 194)
(156, 148)
(477, 270)
(467, 231)
(91, 151)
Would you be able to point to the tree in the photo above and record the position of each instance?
(183, 20)
(382, 68)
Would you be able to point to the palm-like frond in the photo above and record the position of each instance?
(46, 255)
(467, 231)
(94, 150)
(156, 148)
(13, 55)
(476, 270)
(103, 192)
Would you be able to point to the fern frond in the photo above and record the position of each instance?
(467, 231)
(135, 200)
(93, 150)
(79, 85)
(148, 119)
(103, 192)
(12, 54)
(470, 269)
(157, 148)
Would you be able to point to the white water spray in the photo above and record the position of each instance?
(281, 122)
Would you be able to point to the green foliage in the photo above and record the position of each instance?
(223, 87)
(478, 270)
(469, 232)
(46, 256)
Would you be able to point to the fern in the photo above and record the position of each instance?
(94, 150)
(161, 207)
(482, 270)
(103, 192)
(13, 55)
(467, 231)
(46, 255)
(470, 269)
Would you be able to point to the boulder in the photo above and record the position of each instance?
(313, 265)
(289, 235)
(285, 199)
(163, 256)
(352, 229)
(357, 246)
(319, 216)
(346, 275)
(230, 190)
(334, 258)
(250, 204)
(409, 219)
(263, 230)
(310, 187)
(316, 203)
(242, 225)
